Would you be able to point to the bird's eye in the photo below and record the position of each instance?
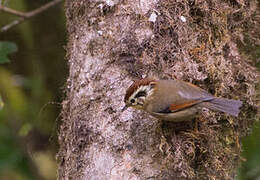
(132, 101)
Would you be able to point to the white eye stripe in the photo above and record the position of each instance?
(146, 89)
(141, 88)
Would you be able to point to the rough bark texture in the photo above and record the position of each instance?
(112, 43)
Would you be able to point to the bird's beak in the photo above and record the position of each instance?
(124, 108)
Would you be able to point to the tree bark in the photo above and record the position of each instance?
(112, 43)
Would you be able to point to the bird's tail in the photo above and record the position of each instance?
(229, 106)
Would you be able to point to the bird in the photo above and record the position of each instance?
(175, 100)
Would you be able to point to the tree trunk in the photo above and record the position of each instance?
(112, 43)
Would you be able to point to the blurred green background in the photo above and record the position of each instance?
(31, 87)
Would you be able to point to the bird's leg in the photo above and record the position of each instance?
(196, 125)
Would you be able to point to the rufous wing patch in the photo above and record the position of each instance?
(177, 107)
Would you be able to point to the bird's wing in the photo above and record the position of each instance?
(185, 95)
(178, 107)
(191, 92)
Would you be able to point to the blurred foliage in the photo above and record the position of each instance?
(30, 88)
(5, 49)
(1, 103)
(250, 169)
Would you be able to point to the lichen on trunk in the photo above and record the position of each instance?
(112, 43)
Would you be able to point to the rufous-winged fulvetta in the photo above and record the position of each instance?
(175, 100)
